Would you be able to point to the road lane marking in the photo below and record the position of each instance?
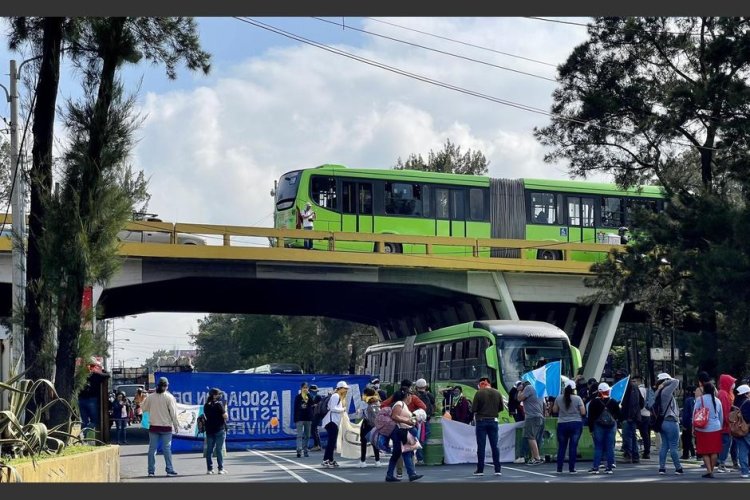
(299, 464)
(530, 471)
(282, 467)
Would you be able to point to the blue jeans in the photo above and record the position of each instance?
(121, 425)
(408, 457)
(726, 444)
(743, 448)
(604, 444)
(154, 439)
(487, 429)
(89, 412)
(215, 441)
(568, 434)
(670, 436)
(303, 435)
(308, 243)
(629, 441)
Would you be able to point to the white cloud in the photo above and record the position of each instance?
(213, 151)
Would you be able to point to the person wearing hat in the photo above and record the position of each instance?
(314, 431)
(569, 408)
(302, 416)
(423, 428)
(375, 383)
(487, 404)
(162, 409)
(413, 404)
(666, 404)
(743, 442)
(216, 429)
(332, 420)
(604, 413)
(308, 218)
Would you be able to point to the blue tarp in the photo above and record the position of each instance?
(252, 402)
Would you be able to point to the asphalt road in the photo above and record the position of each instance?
(282, 466)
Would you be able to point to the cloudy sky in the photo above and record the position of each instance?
(213, 145)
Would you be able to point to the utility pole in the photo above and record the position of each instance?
(18, 202)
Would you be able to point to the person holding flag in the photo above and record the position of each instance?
(627, 393)
(604, 413)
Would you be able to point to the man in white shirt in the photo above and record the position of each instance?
(162, 409)
(308, 217)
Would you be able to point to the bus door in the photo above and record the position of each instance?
(581, 220)
(356, 213)
(450, 211)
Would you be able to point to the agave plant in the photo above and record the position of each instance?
(22, 432)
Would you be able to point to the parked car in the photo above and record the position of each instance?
(157, 235)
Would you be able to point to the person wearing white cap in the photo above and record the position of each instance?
(604, 413)
(332, 420)
(423, 429)
(743, 442)
(665, 406)
(569, 408)
(308, 216)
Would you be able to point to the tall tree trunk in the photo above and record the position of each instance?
(71, 303)
(38, 342)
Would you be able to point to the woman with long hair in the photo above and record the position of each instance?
(569, 409)
(332, 420)
(708, 438)
(402, 416)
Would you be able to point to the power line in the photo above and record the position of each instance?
(462, 42)
(654, 32)
(438, 83)
(441, 51)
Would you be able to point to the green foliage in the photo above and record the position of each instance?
(665, 100)
(5, 171)
(228, 342)
(448, 160)
(22, 433)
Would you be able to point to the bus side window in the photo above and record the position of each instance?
(444, 363)
(323, 191)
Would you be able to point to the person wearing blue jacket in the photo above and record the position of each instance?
(686, 421)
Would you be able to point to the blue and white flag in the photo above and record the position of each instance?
(618, 389)
(545, 379)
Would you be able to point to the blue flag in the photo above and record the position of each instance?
(618, 389)
(545, 379)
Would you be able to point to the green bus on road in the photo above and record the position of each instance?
(410, 202)
(501, 350)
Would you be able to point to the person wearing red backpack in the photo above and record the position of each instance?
(708, 437)
(742, 401)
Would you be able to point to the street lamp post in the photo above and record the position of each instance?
(14, 354)
(113, 340)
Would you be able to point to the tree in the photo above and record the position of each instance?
(448, 160)
(5, 175)
(45, 36)
(94, 164)
(227, 342)
(666, 100)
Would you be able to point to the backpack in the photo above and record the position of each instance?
(371, 413)
(605, 418)
(201, 424)
(738, 427)
(383, 421)
(321, 408)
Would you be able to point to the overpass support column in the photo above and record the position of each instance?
(605, 333)
(507, 309)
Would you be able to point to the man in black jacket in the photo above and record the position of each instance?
(631, 405)
(302, 416)
(314, 431)
(216, 429)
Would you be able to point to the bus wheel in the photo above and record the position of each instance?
(549, 255)
(393, 248)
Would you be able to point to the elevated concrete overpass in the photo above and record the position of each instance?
(400, 294)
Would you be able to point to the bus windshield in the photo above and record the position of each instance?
(286, 191)
(520, 355)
